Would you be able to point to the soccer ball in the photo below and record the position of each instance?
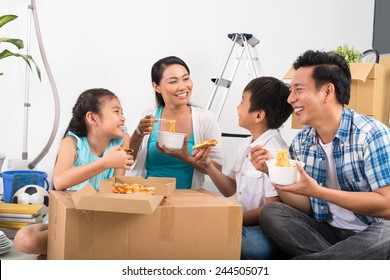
(31, 194)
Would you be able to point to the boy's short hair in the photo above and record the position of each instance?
(270, 95)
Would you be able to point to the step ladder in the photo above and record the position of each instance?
(243, 43)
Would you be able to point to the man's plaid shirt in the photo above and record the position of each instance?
(361, 153)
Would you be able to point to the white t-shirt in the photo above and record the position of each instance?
(338, 217)
(254, 186)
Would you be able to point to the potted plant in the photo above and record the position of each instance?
(350, 54)
(17, 43)
(4, 53)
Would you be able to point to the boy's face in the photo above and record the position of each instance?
(246, 119)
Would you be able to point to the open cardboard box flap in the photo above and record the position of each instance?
(88, 198)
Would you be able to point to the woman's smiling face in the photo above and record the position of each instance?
(176, 85)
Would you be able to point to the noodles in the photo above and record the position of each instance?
(282, 159)
(171, 124)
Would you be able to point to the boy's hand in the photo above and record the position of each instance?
(259, 156)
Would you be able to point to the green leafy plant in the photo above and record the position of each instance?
(350, 54)
(18, 43)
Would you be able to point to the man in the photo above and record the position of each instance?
(340, 207)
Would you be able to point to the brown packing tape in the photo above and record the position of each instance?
(53, 218)
(86, 236)
(233, 235)
(131, 242)
(167, 221)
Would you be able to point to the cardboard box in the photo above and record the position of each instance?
(188, 224)
(367, 90)
(89, 199)
(369, 95)
(384, 60)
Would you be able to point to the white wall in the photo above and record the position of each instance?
(113, 44)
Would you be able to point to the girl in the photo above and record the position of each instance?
(88, 153)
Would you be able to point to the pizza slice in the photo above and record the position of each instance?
(205, 144)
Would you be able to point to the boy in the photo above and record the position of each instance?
(263, 109)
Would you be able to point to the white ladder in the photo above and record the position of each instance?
(246, 43)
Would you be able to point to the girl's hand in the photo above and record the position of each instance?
(146, 124)
(118, 158)
(259, 156)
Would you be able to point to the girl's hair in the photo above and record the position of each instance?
(91, 100)
(158, 70)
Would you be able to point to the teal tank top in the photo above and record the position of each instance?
(85, 156)
(161, 165)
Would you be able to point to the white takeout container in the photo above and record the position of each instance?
(171, 140)
(283, 175)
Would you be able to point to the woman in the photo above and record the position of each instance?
(173, 88)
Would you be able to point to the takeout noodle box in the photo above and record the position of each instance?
(105, 199)
(171, 140)
(282, 175)
(188, 224)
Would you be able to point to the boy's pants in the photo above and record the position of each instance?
(257, 246)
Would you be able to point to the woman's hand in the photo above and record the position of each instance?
(146, 124)
(259, 156)
(181, 154)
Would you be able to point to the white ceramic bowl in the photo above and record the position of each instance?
(172, 140)
(283, 175)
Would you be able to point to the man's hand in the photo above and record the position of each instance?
(306, 185)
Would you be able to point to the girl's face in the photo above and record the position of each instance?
(175, 86)
(111, 120)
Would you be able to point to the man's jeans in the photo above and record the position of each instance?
(302, 237)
